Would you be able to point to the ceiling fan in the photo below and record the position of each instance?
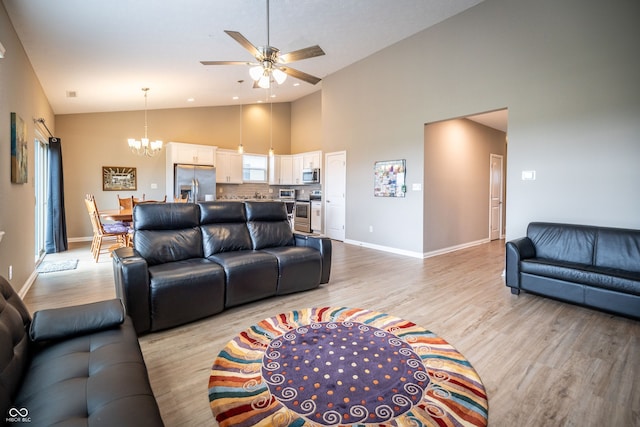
(271, 63)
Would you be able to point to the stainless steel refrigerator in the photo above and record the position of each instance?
(197, 183)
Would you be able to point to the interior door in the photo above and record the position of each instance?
(335, 179)
(495, 203)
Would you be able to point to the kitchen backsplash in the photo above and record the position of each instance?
(259, 191)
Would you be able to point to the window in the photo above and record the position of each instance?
(254, 167)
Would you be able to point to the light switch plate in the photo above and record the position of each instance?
(416, 187)
(528, 175)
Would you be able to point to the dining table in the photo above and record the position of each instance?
(124, 215)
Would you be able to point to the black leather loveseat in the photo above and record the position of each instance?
(593, 266)
(73, 366)
(190, 261)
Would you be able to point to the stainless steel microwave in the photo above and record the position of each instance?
(287, 193)
(311, 176)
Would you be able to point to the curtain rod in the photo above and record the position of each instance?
(41, 121)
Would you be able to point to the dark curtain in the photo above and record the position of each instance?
(56, 239)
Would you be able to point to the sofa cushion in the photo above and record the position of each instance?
(618, 249)
(219, 212)
(268, 225)
(162, 246)
(65, 322)
(97, 380)
(184, 291)
(250, 275)
(299, 268)
(165, 216)
(611, 279)
(563, 242)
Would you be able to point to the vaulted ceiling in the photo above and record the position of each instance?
(96, 55)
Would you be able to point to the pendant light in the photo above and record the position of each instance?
(144, 147)
(271, 152)
(240, 147)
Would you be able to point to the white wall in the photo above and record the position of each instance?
(568, 72)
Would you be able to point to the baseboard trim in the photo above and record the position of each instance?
(456, 248)
(79, 239)
(384, 248)
(417, 254)
(27, 285)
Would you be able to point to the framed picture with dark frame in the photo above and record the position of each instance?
(119, 178)
(389, 178)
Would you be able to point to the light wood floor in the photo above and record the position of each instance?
(543, 362)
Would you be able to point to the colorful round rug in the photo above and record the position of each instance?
(338, 366)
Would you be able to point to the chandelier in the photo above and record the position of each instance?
(144, 147)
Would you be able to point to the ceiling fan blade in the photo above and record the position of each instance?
(297, 55)
(300, 75)
(245, 44)
(226, 63)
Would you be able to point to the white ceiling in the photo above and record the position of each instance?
(107, 51)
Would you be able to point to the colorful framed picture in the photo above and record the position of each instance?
(389, 178)
(119, 178)
(19, 150)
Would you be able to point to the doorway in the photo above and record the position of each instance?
(335, 179)
(495, 197)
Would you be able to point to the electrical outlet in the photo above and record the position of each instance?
(154, 186)
(371, 229)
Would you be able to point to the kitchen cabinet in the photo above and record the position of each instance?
(296, 169)
(274, 170)
(316, 215)
(191, 154)
(228, 167)
(287, 169)
(312, 160)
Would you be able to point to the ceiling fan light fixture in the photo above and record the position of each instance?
(265, 81)
(256, 72)
(279, 76)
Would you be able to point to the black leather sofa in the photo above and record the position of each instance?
(73, 366)
(593, 266)
(190, 261)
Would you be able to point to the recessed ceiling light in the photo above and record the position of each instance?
(296, 84)
(191, 99)
(235, 98)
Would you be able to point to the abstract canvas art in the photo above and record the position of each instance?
(19, 169)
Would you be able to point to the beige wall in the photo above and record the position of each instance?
(568, 72)
(20, 92)
(306, 123)
(456, 182)
(91, 141)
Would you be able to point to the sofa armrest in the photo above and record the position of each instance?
(131, 276)
(322, 244)
(67, 322)
(517, 250)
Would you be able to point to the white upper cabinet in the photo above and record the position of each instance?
(228, 167)
(191, 154)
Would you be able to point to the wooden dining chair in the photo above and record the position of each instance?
(116, 234)
(126, 202)
(180, 199)
(139, 202)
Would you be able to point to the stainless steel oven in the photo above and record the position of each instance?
(302, 216)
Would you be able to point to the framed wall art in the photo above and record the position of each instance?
(19, 159)
(119, 178)
(389, 178)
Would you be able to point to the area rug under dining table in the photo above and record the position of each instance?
(339, 366)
